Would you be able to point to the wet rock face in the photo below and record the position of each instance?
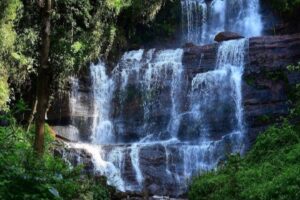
(198, 59)
(265, 98)
(270, 53)
(264, 89)
(265, 80)
(225, 36)
(76, 157)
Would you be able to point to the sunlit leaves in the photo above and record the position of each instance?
(118, 5)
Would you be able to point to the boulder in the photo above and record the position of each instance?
(70, 133)
(224, 36)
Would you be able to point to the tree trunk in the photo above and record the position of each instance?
(32, 114)
(44, 76)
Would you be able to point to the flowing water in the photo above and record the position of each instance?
(103, 88)
(154, 128)
(203, 19)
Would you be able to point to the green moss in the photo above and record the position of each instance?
(276, 75)
(263, 119)
(250, 80)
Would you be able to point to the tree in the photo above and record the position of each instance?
(7, 41)
(55, 39)
(44, 75)
(72, 33)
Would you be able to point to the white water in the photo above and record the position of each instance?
(214, 100)
(231, 56)
(148, 70)
(135, 160)
(107, 168)
(153, 70)
(103, 88)
(202, 19)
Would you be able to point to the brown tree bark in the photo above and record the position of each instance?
(44, 76)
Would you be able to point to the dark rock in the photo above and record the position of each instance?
(75, 157)
(271, 53)
(265, 98)
(189, 45)
(224, 36)
(197, 59)
(71, 133)
(293, 78)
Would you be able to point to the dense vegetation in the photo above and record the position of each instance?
(269, 171)
(25, 176)
(42, 43)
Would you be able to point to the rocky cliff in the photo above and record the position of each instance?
(266, 79)
(265, 83)
(265, 89)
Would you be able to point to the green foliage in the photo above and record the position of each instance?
(289, 7)
(275, 75)
(295, 111)
(8, 15)
(146, 21)
(4, 91)
(25, 176)
(294, 68)
(118, 5)
(269, 171)
(82, 31)
(294, 93)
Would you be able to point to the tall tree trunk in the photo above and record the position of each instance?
(44, 76)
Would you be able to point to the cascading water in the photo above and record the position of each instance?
(153, 127)
(203, 19)
(103, 88)
(151, 72)
(214, 98)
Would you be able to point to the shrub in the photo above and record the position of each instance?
(269, 171)
(23, 175)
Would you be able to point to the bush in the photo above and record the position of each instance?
(269, 171)
(23, 175)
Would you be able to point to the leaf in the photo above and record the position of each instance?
(54, 191)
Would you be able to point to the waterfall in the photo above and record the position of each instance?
(155, 127)
(215, 99)
(103, 88)
(203, 19)
(231, 56)
(151, 72)
(134, 154)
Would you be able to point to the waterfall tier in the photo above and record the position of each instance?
(203, 19)
(152, 129)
